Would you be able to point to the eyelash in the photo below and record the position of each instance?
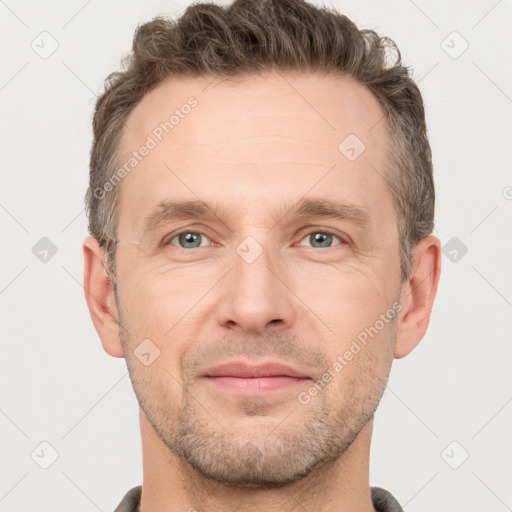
(169, 239)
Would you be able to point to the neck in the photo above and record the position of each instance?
(170, 484)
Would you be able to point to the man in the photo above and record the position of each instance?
(261, 205)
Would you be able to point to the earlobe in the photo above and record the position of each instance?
(418, 294)
(100, 298)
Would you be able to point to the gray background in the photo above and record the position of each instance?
(59, 387)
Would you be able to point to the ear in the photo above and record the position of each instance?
(100, 298)
(418, 294)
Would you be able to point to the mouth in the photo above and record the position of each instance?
(255, 379)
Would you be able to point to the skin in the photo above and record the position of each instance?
(254, 147)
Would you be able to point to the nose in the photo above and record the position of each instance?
(253, 298)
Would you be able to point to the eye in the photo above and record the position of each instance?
(189, 240)
(194, 240)
(322, 239)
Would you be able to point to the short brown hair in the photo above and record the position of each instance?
(254, 36)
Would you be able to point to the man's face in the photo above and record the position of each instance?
(260, 278)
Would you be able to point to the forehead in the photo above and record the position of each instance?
(265, 139)
(256, 105)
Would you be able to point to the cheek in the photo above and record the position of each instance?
(347, 299)
(165, 306)
(156, 297)
(353, 303)
(360, 361)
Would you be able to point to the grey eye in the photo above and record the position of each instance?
(321, 239)
(188, 240)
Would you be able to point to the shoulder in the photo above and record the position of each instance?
(130, 501)
(384, 501)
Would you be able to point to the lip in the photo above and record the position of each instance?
(254, 379)
(246, 371)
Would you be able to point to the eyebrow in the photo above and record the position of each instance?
(314, 208)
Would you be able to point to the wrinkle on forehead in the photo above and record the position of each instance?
(322, 107)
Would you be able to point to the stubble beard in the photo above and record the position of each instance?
(288, 453)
